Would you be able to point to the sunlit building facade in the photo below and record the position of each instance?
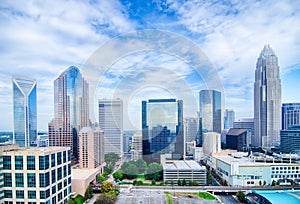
(24, 111)
(290, 115)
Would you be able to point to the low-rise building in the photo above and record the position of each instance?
(238, 139)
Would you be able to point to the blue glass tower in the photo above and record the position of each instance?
(162, 128)
(24, 111)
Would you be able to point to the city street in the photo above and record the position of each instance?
(149, 197)
(227, 199)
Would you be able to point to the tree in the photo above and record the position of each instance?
(104, 199)
(111, 158)
(106, 187)
(88, 193)
(184, 182)
(71, 201)
(153, 182)
(154, 171)
(273, 183)
(265, 182)
(240, 195)
(259, 182)
(179, 182)
(141, 165)
(118, 175)
(209, 178)
(278, 182)
(131, 171)
(101, 178)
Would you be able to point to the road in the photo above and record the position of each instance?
(136, 197)
(227, 199)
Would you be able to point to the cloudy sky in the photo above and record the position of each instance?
(40, 39)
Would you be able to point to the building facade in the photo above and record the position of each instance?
(24, 112)
(91, 147)
(229, 118)
(267, 99)
(36, 175)
(211, 143)
(71, 110)
(247, 123)
(290, 140)
(290, 115)
(111, 122)
(211, 119)
(191, 129)
(238, 139)
(137, 146)
(162, 128)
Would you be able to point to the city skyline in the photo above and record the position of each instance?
(53, 40)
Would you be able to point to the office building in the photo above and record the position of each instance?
(24, 111)
(211, 112)
(267, 99)
(137, 146)
(290, 140)
(238, 139)
(111, 122)
(247, 123)
(162, 128)
(91, 147)
(71, 111)
(211, 143)
(36, 175)
(190, 129)
(229, 118)
(290, 115)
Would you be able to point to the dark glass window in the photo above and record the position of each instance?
(30, 162)
(7, 180)
(69, 155)
(19, 162)
(64, 156)
(41, 162)
(53, 189)
(31, 195)
(65, 182)
(59, 186)
(7, 194)
(53, 160)
(31, 181)
(53, 177)
(42, 194)
(6, 162)
(59, 173)
(69, 169)
(19, 179)
(65, 171)
(47, 164)
(20, 194)
(58, 158)
(42, 180)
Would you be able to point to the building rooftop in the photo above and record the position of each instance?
(35, 150)
(83, 174)
(182, 165)
(236, 131)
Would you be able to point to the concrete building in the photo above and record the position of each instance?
(188, 170)
(190, 129)
(211, 143)
(247, 123)
(91, 147)
(290, 140)
(290, 115)
(24, 111)
(238, 139)
(137, 146)
(198, 154)
(239, 169)
(267, 99)
(111, 122)
(36, 175)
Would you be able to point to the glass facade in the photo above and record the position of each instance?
(30, 162)
(31, 181)
(25, 112)
(19, 162)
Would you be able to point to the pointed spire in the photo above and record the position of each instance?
(267, 50)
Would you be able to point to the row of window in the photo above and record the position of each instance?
(284, 172)
(44, 161)
(285, 176)
(44, 178)
(285, 168)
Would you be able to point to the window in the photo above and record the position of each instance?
(65, 171)
(53, 189)
(65, 182)
(53, 160)
(7, 194)
(53, 178)
(31, 181)
(58, 158)
(47, 164)
(69, 169)
(47, 193)
(59, 186)
(42, 180)
(19, 179)
(30, 162)
(64, 156)
(59, 173)
(31, 195)
(42, 194)
(7, 180)
(41, 162)
(69, 180)
(54, 200)
(20, 194)
(69, 155)
(19, 162)
(59, 197)
(65, 193)
(7, 162)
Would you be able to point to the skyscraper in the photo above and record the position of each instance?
(111, 122)
(290, 115)
(211, 119)
(229, 118)
(267, 99)
(71, 111)
(24, 111)
(191, 129)
(162, 128)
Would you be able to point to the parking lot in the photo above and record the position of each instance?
(141, 197)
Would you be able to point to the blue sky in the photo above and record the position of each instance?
(41, 39)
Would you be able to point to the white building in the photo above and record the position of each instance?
(211, 143)
(136, 146)
(267, 99)
(36, 175)
(91, 147)
(111, 122)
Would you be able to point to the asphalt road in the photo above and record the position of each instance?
(151, 197)
(227, 199)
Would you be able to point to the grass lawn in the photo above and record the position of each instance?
(79, 199)
(141, 177)
(206, 196)
(169, 199)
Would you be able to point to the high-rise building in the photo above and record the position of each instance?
(211, 120)
(91, 147)
(35, 175)
(267, 99)
(229, 118)
(191, 129)
(211, 143)
(290, 115)
(111, 122)
(246, 123)
(24, 112)
(137, 146)
(71, 110)
(162, 128)
(290, 140)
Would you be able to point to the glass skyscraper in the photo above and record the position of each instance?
(267, 99)
(71, 110)
(162, 128)
(24, 112)
(229, 118)
(290, 115)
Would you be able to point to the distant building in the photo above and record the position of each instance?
(229, 118)
(36, 175)
(111, 122)
(211, 119)
(162, 128)
(247, 123)
(290, 140)
(198, 154)
(91, 147)
(290, 115)
(126, 141)
(24, 111)
(137, 146)
(190, 129)
(267, 99)
(211, 143)
(42, 140)
(238, 139)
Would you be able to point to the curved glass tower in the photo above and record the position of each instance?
(24, 112)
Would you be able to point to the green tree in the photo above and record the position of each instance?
(179, 182)
(104, 199)
(153, 182)
(273, 183)
(209, 178)
(240, 195)
(278, 182)
(154, 171)
(259, 182)
(130, 172)
(184, 182)
(71, 201)
(118, 175)
(88, 193)
(141, 165)
(265, 182)
(106, 187)
(111, 158)
(101, 178)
